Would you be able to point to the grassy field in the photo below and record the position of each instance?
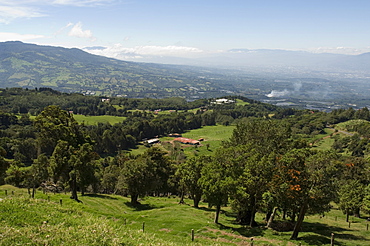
(94, 120)
(111, 220)
(212, 135)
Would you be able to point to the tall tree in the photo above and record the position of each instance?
(314, 183)
(71, 153)
(216, 184)
(148, 173)
(189, 173)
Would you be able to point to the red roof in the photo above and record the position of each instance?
(186, 140)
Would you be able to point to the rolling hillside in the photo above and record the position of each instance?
(74, 70)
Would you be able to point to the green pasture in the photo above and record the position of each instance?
(111, 220)
(94, 120)
(241, 102)
(212, 135)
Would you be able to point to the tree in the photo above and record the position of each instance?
(3, 165)
(71, 160)
(351, 195)
(148, 172)
(83, 167)
(15, 174)
(39, 171)
(250, 154)
(353, 180)
(313, 182)
(110, 178)
(216, 184)
(190, 172)
(55, 124)
(366, 201)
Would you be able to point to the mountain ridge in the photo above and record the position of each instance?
(75, 70)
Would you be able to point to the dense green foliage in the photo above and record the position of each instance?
(268, 164)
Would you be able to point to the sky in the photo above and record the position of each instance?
(189, 28)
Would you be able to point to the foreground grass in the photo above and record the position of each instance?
(111, 220)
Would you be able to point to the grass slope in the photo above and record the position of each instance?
(110, 220)
(94, 120)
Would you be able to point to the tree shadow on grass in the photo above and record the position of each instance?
(142, 207)
(245, 231)
(323, 234)
(100, 196)
(207, 209)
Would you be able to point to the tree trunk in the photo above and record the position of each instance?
(134, 198)
(196, 199)
(252, 222)
(182, 197)
(272, 216)
(347, 214)
(356, 212)
(299, 222)
(284, 214)
(33, 192)
(245, 217)
(268, 215)
(73, 185)
(218, 209)
(293, 216)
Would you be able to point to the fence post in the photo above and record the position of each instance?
(349, 224)
(143, 226)
(192, 234)
(367, 227)
(6, 192)
(332, 240)
(61, 202)
(251, 241)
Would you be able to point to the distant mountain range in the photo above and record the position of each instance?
(74, 70)
(261, 58)
(294, 77)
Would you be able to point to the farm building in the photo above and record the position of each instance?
(153, 141)
(174, 135)
(187, 141)
(223, 101)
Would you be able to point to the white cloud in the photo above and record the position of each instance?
(8, 36)
(340, 50)
(78, 32)
(119, 51)
(81, 3)
(10, 12)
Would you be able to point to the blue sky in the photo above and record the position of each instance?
(189, 28)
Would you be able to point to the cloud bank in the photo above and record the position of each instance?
(8, 36)
(120, 52)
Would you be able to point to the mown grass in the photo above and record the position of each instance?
(111, 220)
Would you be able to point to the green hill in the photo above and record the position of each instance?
(110, 220)
(74, 70)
